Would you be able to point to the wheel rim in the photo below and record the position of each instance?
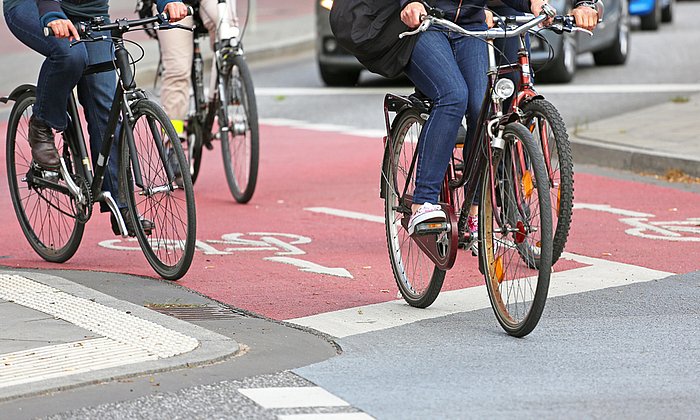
(509, 249)
(160, 201)
(46, 216)
(412, 268)
(240, 147)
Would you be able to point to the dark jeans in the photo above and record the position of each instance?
(61, 72)
(451, 71)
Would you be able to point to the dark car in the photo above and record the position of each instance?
(337, 66)
(652, 12)
(609, 43)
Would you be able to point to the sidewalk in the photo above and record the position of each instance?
(662, 139)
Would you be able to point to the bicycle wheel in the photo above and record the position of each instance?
(548, 129)
(195, 140)
(46, 215)
(169, 245)
(515, 237)
(240, 142)
(417, 277)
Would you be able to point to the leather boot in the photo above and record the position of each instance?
(41, 141)
(146, 224)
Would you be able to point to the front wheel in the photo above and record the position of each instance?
(240, 141)
(515, 232)
(148, 179)
(418, 278)
(46, 212)
(549, 132)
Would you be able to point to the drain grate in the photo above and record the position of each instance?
(197, 313)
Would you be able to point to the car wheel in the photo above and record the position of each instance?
(339, 77)
(563, 67)
(616, 53)
(652, 21)
(667, 11)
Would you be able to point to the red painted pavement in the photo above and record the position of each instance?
(303, 168)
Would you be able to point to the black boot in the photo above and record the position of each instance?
(146, 224)
(41, 141)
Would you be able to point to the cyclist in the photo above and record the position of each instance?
(176, 50)
(451, 70)
(63, 70)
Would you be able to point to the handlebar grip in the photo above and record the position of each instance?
(165, 17)
(48, 31)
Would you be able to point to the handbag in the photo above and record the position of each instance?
(369, 30)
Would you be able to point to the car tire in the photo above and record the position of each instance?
(563, 67)
(339, 77)
(618, 51)
(652, 21)
(667, 12)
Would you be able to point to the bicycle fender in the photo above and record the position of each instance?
(17, 92)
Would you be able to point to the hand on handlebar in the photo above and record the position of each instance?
(537, 7)
(586, 18)
(176, 11)
(64, 28)
(413, 13)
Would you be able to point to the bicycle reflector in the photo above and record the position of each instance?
(504, 88)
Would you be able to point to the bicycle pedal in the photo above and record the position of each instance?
(427, 228)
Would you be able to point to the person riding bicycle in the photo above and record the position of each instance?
(176, 52)
(63, 70)
(451, 69)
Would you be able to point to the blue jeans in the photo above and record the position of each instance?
(451, 71)
(61, 72)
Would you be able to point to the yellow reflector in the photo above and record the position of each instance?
(528, 185)
(558, 199)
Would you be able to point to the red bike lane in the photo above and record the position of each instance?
(290, 252)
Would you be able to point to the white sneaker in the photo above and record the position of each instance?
(426, 212)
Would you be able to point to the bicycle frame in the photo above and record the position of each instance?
(478, 154)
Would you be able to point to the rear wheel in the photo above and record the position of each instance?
(549, 131)
(618, 51)
(195, 140)
(667, 11)
(652, 21)
(240, 142)
(339, 77)
(47, 215)
(515, 236)
(418, 278)
(562, 68)
(155, 196)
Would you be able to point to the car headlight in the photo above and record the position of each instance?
(504, 88)
(327, 4)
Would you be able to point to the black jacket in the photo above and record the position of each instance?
(370, 30)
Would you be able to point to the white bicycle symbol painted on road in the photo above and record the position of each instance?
(641, 226)
(283, 245)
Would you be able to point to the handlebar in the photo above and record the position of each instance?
(120, 25)
(525, 23)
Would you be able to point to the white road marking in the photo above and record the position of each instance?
(326, 416)
(544, 89)
(334, 128)
(606, 208)
(293, 397)
(311, 267)
(127, 338)
(601, 274)
(346, 213)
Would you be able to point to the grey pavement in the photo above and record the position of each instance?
(226, 342)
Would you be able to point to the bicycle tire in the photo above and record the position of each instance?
(239, 113)
(543, 119)
(513, 226)
(418, 278)
(169, 247)
(43, 213)
(195, 140)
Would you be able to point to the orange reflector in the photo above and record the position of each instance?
(434, 225)
(528, 185)
(558, 199)
(498, 269)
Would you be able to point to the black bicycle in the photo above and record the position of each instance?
(53, 207)
(232, 105)
(504, 166)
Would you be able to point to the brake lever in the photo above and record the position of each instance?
(585, 31)
(421, 28)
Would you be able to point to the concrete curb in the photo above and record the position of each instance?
(610, 155)
(213, 347)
